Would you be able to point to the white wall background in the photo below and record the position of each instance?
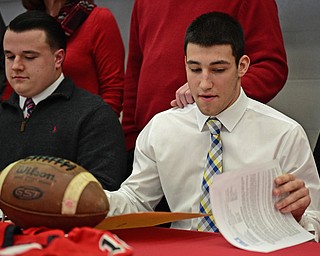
(300, 98)
(300, 22)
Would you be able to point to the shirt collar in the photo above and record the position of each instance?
(44, 94)
(230, 116)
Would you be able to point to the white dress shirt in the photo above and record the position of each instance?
(41, 96)
(171, 151)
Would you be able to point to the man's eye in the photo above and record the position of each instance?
(30, 57)
(9, 57)
(218, 70)
(195, 70)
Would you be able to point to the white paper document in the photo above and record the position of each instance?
(243, 209)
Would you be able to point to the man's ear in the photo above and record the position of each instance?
(243, 65)
(59, 57)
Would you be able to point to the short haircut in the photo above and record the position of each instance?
(39, 20)
(34, 5)
(216, 28)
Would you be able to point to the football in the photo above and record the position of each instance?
(51, 192)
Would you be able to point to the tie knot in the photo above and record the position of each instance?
(29, 102)
(30, 105)
(214, 125)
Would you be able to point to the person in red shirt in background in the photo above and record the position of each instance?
(156, 70)
(95, 59)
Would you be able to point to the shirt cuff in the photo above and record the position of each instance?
(311, 223)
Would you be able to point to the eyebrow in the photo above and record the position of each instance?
(190, 62)
(25, 52)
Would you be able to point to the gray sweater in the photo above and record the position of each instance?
(72, 124)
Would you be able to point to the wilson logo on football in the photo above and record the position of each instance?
(31, 171)
(27, 193)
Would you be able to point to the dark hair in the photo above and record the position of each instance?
(39, 20)
(216, 28)
(34, 5)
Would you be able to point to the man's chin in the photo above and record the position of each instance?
(207, 110)
(21, 92)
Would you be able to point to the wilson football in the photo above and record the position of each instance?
(51, 192)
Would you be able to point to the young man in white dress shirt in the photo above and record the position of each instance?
(170, 152)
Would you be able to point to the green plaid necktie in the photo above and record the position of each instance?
(213, 166)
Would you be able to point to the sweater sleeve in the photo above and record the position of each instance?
(101, 147)
(264, 45)
(109, 58)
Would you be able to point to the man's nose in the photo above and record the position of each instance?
(17, 64)
(206, 81)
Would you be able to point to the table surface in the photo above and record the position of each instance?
(154, 241)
